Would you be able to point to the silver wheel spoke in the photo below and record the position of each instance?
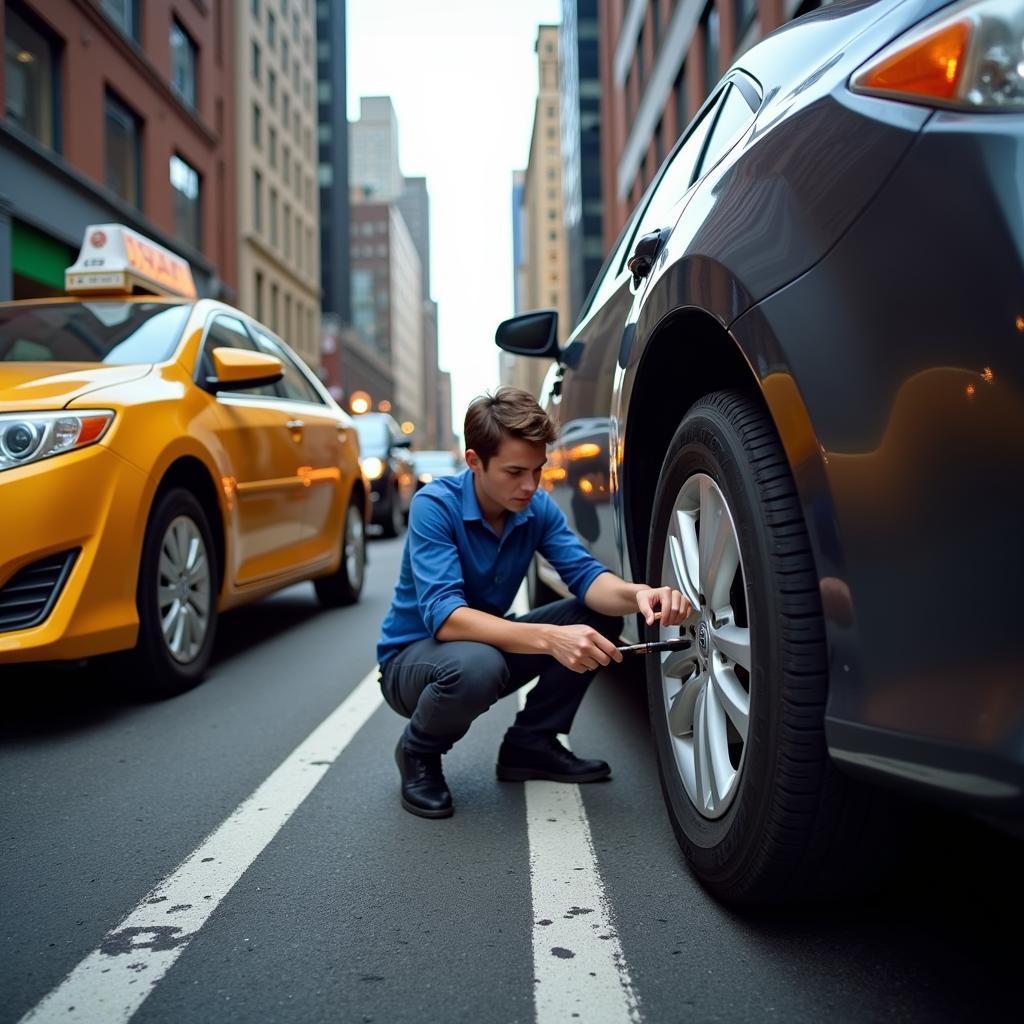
(716, 738)
(682, 546)
(681, 707)
(679, 664)
(168, 622)
(166, 568)
(184, 589)
(734, 700)
(733, 642)
(719, 556)
(200, 600)
(167, 596)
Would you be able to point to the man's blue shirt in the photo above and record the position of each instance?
(453, 559)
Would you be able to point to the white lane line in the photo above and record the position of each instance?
(112, 982)
(579, 969)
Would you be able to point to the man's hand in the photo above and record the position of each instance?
(672, 604)
(581, 648)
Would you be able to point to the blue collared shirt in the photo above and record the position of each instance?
(453, 559)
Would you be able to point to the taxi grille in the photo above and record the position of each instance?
(30, 594)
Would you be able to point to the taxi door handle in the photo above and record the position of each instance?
(295, 426)
(342, 432)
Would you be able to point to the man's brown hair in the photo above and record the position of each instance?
(509, 412)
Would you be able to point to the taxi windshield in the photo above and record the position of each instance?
(101, 331)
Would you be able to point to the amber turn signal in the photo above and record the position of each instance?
(927, 67)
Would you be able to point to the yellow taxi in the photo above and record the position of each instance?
(162, 458)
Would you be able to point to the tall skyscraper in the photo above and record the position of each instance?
(278, 205)
(332, 137)
(546, 277)
(139, 136)
(581, 146)
(373, 155)
(414, 202)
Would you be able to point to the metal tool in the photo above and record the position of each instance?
(676, 643)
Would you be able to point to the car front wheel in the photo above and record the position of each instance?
(176, 596)
(738, 714)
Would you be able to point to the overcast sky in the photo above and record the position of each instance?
(462, 75)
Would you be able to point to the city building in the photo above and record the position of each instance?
(332, 139)
(387, 304)
(374, 169)
(580, 81)
(507, 361)
(659, 60)
(113, 117)
(542, 232)
(276, 186)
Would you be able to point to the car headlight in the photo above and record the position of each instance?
(29, 437)
(373, 468)
(967, 57)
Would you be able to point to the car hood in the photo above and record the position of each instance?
(27, 387)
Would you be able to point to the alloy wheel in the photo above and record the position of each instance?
(706, 688)
(184, 589)
(355, 547)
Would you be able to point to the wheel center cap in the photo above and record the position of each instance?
(703, 639)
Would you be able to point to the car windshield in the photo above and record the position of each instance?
(91, 332)
(374, 436)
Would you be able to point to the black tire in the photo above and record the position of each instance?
(344, 586)
(154, 668)
(794, 826)
(394, 522)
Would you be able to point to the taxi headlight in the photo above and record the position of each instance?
(373, 468)
(29, 437)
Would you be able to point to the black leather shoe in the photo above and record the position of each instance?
(550, 761)
(424, 791)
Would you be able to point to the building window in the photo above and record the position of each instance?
(187, 208)
(124, 14)
(273, 307)
(284, 54)
(272, 88)
(259, 295)
(273, 216)
(257, 201)
(286, 109)
(271, 30)
(31, 81)
(287, 232)
(183, 64)
(254, 63)
(124, 152)
(257, 126)
(286, 163)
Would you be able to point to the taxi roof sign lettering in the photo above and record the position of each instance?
(117, 260)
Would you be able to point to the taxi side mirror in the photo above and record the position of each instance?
(530, 334)
(235, 369)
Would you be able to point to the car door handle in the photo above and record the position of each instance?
(295, 424)
(342, 432)
(646, 251)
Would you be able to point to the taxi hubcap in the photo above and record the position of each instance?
(355, 550)
(183, 589)
(706, 688)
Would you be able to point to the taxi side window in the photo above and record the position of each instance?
(293, 384)
(230, 332)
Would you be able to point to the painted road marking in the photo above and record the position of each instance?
(579, 969)
(112, 982)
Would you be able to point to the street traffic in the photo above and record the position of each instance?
(357, 911)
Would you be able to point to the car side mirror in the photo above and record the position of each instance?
(236, 369)
(531, 334)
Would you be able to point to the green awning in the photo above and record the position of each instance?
(38, 256)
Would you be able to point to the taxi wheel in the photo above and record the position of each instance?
(344, 586)
(176, 596)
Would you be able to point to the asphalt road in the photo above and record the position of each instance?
(357, 911)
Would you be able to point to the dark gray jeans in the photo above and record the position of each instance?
(441, 687)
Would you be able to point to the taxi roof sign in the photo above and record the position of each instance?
(115, 260)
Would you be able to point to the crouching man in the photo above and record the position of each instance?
(449, 649)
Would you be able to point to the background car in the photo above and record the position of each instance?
(429, 465)
(162, 459)
(797, 390)
(388, 466)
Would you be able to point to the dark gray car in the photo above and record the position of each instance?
(796, 392)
